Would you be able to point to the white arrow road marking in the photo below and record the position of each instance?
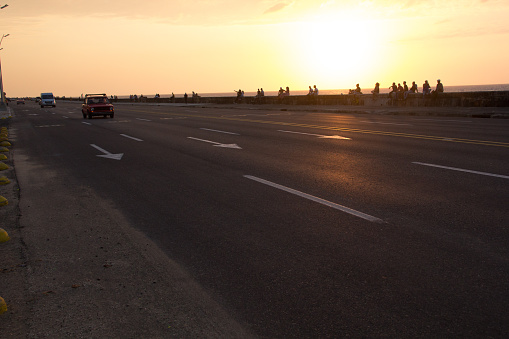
(214, 130)
(319, 135)
(217, 144)
(318, 200)
(107, 154)
(463, 170)
(130, 137)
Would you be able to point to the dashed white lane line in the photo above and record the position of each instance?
(87, 123)
(143, 119)
(45, 126)
(318, 200)
(214, 130)
(130, 137)
(463, 170)
(117, 121)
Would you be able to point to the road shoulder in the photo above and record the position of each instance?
(81, 270)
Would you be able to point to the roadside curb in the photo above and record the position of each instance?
(4, 143)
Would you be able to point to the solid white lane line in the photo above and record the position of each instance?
(214, 130)
(318, 200)
(130, 137)
(463, 170)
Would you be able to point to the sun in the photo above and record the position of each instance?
(337, 50)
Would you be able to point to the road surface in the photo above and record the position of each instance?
(301, 224)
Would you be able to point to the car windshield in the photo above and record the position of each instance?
(98, 100)
(47, 96)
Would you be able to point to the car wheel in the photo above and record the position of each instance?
(89, 116)
(111, 116)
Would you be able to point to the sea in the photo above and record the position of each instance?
(467, 88)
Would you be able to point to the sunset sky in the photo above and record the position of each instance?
(124, 47)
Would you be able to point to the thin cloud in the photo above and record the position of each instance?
(276, 8)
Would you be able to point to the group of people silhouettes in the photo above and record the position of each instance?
(313, 91)
(400, 92)
(283, 92)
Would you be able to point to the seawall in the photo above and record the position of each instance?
(452, 99)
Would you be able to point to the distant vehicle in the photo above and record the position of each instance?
(37, 100)
(20, 102)
(97, 104)
(47, 99)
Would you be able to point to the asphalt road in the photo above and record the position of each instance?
(306, 224)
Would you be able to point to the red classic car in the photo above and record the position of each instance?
(97, 104)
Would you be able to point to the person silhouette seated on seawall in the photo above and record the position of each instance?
(314, 97)
(439, 89)
(412, 89)
(394, 91)
(376, 91)
(240, 96)
(259, 96)
(426, 89)
(401, 91)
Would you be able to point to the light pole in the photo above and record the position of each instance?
(2, 95)
(3, 107)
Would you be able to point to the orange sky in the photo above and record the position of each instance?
(160, 46)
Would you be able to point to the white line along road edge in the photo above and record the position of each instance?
(463, 170)
(318, 200)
